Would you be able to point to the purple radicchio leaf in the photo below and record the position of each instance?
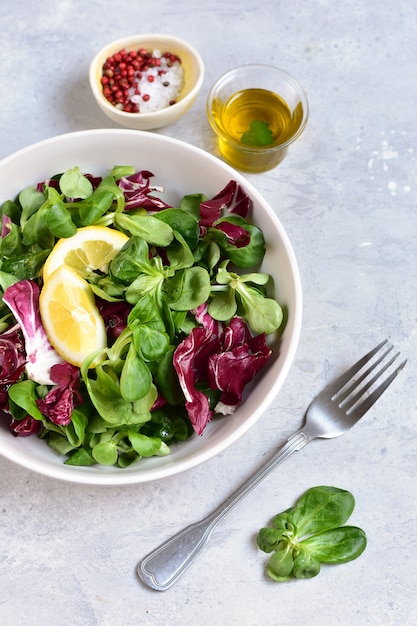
(159, 402)
(236, 364)
(228, 357)
(22, 298)
(190, 361)
(94, 180)
(25, 427)
(137, 189)
(49, 182)
(12, 362)
(115, 316)
(235, 234)
(204, 318)
(232, 197)
(59, 402)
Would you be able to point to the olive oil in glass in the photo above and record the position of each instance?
(266, 117)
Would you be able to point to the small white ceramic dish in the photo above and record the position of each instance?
(181, 169)
(192, 65)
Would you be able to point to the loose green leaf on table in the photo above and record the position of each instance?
(322, 508)
(311, 533)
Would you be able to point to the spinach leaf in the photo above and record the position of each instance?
(105, 453)
(167, 379)
(74, 184)
(65, 439)
(106, 395)
(11, 243)
(135, 378)
(149, 329)
(311, 533)
(26, 265)
(336, 545)
(23, 394)
(246, 256)
(179, 253)
(51, 220)
(81, 457)
(6, 280)
(59, 221)
(322, 508)
(268, 539)
(223, 305)
(151, 343)
(148, 227)
(182, 222)
(36, 231)
(11, 209)
(305, 565)
(77, 427)
(147, 446)
(147, 311)
(108, 184)
(191, 203)
(91, 209)
(60, 443)
(281, 563)
(131, 260)
(187, 289)
(142, 285)
(30, 200)
(119, 171)
(264, 315)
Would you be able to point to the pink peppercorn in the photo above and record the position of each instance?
(123, 70)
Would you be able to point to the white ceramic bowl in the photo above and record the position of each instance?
(193, 79)
(181, 169)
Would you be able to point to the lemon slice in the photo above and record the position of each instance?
(91, 248)
(70, 316)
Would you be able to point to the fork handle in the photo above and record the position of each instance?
(162, 567)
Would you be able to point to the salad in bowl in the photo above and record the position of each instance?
(145, 321)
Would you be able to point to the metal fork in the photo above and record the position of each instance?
(334, 411)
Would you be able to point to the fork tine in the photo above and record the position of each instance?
(345, 393)
(364, 406)
(337, 385)
(350, 398)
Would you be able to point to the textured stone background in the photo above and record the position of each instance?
(346, 195)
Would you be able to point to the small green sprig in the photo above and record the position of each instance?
(258, 134)
(311, 533)
(241, 293)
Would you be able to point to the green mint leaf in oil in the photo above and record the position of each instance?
(258, 135)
